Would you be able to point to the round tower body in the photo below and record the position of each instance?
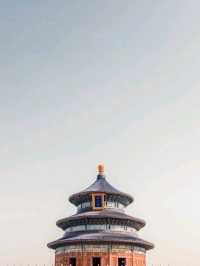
(100, 233)
(100, 254)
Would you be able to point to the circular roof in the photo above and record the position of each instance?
(102, 237)
(100, 215)
(101, 185)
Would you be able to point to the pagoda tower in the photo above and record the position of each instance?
(100, 233)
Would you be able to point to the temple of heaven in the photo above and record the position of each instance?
(100, 233)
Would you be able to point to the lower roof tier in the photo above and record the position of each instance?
(100, 237)
(100, 217)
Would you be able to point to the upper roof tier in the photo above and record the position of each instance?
(101, 185)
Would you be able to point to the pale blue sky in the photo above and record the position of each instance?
(83, 82)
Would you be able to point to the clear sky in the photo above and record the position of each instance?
(83, 82)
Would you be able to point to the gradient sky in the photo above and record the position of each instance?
(83, 82)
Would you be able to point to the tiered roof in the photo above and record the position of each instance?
(98, 224)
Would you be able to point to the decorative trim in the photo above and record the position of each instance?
(102, 195)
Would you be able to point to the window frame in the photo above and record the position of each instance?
(98, 194)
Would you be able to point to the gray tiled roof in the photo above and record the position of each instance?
(103, 214)
(99, 237)
(101, 185)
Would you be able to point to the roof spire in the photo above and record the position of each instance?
(101, 170)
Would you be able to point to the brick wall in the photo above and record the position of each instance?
(107, 258)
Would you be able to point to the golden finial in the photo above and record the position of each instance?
(101, 169)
